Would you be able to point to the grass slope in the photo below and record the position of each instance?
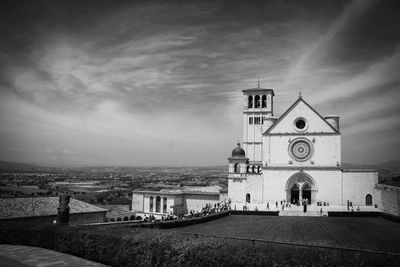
(362, 233)
(124, 246)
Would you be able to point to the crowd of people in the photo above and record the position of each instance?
(208, 209)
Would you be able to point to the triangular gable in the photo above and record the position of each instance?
(300, 108)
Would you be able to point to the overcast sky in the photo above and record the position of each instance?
(159, 82)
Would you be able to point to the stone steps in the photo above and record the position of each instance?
(299, 213)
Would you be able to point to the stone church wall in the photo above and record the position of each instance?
(236, 190)
(254, 188)
(328, 184)
(274, 184)
(326, 151)
(357, 184)
(390, 199)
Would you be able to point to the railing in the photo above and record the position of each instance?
(254, 240)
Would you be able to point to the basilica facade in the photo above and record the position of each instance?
(296, 158)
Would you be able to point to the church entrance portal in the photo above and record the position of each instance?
(306, 193)
(294, 194)
(299, 187)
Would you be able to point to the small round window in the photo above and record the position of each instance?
(300, 124)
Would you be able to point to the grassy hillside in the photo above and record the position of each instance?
(151, 247)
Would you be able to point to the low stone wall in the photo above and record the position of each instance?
(390, 199)
(354, 213)
(253, 212)
(74, 218)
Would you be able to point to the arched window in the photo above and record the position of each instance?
(259, 169)
(119, 219)
(264, 101)
(236, 168)
(248, 198)
(257, 101)
(151, 204)
(164, 205)
(158, 204)
(112, 220)
(126, 218)
(368, 200)
(250, 104)
(132, 218)
(253, 169)
(248, 169)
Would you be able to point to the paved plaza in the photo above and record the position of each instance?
(360, 233)
(19, 256)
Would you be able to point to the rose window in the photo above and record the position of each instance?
(300, 149)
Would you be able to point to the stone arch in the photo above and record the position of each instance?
(253, 169)
(119, 219)
(303, 181)
(112, 220)
(250, 103)
(248, 168)
(132, 218)
(126, 218)
(248, 198)
(259, 169)
(236, 168)
(264, 101)
(158, 204)
(368, 200)
(257, 101)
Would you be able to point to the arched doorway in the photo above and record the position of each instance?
(368, 200)
(158, 204)
(294, 194)
(247, 198)
(306, 193)
(304, 187)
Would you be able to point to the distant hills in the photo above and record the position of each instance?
(393, 164)
(6, 166)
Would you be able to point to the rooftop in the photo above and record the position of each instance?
(41, 206)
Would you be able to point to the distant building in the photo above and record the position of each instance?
(294, 158)
(177, 201)
(44, 210)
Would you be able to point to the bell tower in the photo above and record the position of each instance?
(257, 118)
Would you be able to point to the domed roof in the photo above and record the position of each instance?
(238, 152)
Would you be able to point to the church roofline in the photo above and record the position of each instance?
(300, 99)
(259, 89)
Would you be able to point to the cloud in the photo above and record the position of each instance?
(146, 79)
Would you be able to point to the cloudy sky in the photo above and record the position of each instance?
(159, 82)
